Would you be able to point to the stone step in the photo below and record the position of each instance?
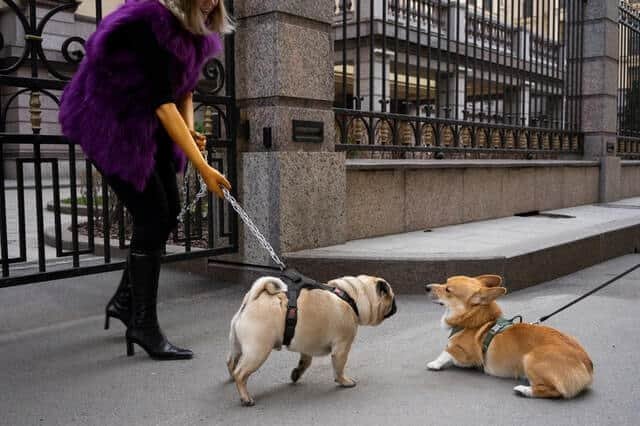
(524, 250)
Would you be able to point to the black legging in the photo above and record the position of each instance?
(154, 210)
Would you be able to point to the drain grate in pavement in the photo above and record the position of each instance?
(536, 213)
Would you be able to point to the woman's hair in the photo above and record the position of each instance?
(218, 21)
(189, 14)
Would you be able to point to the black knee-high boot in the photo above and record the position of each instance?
(120, 304)
(144, 272)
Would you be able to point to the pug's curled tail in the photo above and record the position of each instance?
(271, 285)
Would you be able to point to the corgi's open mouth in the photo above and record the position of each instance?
(437, 302)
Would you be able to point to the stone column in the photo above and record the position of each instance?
(457, 21)
(458, 87)
(524, 44)
(451, 94)
(599, 92)
(520, 106)
(294, 189)
(378, 83)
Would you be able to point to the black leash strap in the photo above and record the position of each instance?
(616, 278)
(295, 283)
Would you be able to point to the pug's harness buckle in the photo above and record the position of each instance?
(295, 283)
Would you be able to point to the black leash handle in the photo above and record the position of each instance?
(616, 278)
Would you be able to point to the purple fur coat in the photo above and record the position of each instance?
(97, 111)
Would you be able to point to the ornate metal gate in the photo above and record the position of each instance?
(57, 218)
(629, 80)
(431, 79)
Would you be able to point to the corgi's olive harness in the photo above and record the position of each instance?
(501, 325)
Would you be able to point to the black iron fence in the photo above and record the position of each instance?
(57, 217)
(629, 81)
(474, 78)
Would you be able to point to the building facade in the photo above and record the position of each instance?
(502, 61)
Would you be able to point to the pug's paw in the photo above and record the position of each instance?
(247, 402)
(295, 375)
(346, 382)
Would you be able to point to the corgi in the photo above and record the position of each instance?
(555, 364)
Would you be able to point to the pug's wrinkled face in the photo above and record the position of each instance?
(373, 295)
(387, 299)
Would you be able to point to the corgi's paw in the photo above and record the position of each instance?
(434, 366)
(523, 391)
(443, 361)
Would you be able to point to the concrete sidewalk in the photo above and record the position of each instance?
(58, 367)
(526, 250)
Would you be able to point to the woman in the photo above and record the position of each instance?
(129, 107)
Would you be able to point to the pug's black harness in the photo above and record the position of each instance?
(295, 283)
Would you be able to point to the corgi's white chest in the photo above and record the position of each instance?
(443, 320)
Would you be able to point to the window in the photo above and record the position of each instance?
(528, 8)
(486, 4)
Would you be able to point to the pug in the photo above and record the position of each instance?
(326, 325)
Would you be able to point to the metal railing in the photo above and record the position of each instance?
(629, 82)
(54, 226)
(629, 147)
(431, 78)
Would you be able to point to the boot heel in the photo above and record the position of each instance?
(119, 305)
(130, 350)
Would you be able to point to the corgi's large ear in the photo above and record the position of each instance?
(490, 280)
(485, 296)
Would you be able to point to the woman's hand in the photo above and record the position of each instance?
(215, 181)
(200, 139)
(178, 131)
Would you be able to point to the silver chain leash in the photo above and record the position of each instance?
(236, 206)
(254, 229)
(185, 188)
